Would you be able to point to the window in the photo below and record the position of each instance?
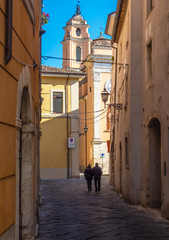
(58, 102)
(78, 32)
(78, 54)
(149, 61)
(149, 6)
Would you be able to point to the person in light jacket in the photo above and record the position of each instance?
(97, 172)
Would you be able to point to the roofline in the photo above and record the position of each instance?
(98, 58)
(119, 19)
(76, 39)
(60, 74)
(102, 39)
(77, 25)
(116, 21)
(107, 23)
(84, 80)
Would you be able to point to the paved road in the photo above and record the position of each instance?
(70, 212)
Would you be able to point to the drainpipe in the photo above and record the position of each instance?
(114, 112)
(67, 117)
(85, 132)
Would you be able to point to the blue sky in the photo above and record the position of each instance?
(94, 12)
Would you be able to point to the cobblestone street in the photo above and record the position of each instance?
(70, 212)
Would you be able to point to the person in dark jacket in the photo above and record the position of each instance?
(89, 175)
(97, 172)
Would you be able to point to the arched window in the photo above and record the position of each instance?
(78, 31)
(78, 54)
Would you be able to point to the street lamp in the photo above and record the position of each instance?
(104, 95)
(85, 129)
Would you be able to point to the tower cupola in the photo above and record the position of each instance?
(76, 42)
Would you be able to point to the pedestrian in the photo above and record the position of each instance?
(89, 175)
(97, 172)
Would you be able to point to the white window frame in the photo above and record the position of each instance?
(51, 100)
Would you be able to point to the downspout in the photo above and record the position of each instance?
(67, 117)
(115, 89)
(85, 131)
(8, 31)
(114, 112)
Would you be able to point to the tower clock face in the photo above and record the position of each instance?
(108, 86)
(78, 32)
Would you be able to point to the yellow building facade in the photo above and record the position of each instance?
(19, 117)
(59, 124)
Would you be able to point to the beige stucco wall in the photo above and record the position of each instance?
(156, 100)
(142, 101)
(128, 92)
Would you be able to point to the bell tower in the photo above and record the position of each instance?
(76, 42)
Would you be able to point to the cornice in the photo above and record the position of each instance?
(77, 39)
(119, 19)
(77, 25)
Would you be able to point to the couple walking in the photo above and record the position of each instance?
(93, 172)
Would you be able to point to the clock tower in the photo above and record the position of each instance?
(76, 42)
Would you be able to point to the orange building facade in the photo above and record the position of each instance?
(19, 117)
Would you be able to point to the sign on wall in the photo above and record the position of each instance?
(71, 142)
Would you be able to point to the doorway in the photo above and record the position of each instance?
(154, 129)
(25, 169)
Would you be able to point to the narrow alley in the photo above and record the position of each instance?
(70, 212)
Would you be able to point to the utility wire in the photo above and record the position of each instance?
(94, 121)
(30, 66)
(75, 113)
(94, 117)
(88, 119)
(124, 65)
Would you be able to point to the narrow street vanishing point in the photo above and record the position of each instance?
(70, 212)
